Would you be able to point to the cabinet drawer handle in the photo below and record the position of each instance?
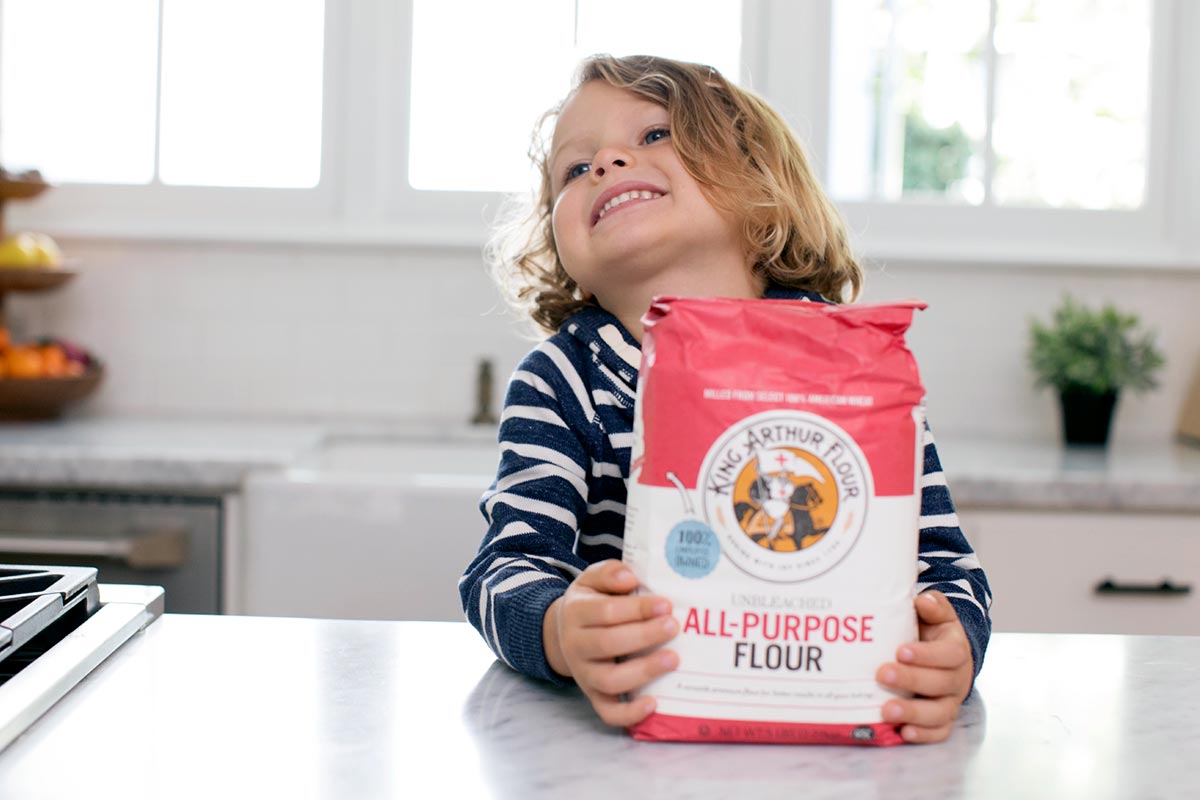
(164, 548)
(1109, 586)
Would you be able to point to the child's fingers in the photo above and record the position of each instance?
(602, 610)
(610, 577)
(615, 711)
(603, 643)
(927, 681)
(932, 713)
(933, 608)
(941, 654)
(915, 734)
(612, 678)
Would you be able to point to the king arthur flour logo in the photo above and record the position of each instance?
(787, 493)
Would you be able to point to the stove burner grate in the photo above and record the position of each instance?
(38, 607)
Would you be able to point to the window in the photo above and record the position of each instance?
(954, 130)
(478, 89)
(1040, 103)
(88, 117)
(178, 92)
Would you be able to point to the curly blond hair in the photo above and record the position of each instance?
(745, 158)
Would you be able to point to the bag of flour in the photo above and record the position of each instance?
(774, 497)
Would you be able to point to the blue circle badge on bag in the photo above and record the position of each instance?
(693, 549)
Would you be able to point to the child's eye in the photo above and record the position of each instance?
(656, 135)
(575, 170)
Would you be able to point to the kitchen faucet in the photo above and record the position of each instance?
(483, 394)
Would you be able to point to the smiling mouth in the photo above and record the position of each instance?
(624, 198)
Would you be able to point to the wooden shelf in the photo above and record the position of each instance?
(44, 397)
(31, 279)
(11, 189)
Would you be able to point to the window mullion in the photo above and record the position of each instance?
(883, 145)
(991, 61)
(1172, 171)
(156, 180)
(755, 22)
(796, 66)
(344, 144)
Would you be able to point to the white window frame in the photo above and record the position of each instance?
(364, 197)
(161, 211)
(925, 232)
(461, 218)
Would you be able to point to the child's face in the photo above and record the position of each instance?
(610, 143)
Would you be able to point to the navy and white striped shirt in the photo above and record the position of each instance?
(558, 501)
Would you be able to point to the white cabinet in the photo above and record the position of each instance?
(1046, 570)
(373, 531)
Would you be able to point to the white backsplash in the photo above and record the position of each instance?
(361, 333)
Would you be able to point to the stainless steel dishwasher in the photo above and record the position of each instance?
(173, 541)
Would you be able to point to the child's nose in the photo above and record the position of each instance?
(608, 159)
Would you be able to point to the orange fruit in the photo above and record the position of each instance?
(54, 361)
(5, 339)
(23, 361)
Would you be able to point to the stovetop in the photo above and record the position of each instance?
(57, 624)
(38, 607)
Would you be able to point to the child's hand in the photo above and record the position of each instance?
(597, 621)
(937, 669)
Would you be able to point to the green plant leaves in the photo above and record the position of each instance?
(1094, 351)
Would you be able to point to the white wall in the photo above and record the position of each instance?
(972, 340)
(363, 333)
(278, 331)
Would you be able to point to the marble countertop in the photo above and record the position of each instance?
(199, 707)
(1154, 476)
(190, 455)
(217, 455)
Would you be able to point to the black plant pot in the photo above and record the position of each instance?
(1087, 417)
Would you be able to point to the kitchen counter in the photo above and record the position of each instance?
(202, 707)
(1151, 476)
(192, 455)
(1156, 476)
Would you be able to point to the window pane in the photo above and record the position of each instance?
(1071, 102)
(908, 110)
(478, 89)
(241, 94)
(77, 101)
(712, 34)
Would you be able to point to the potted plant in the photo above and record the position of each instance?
(1089, 356)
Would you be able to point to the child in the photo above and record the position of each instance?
(663, 178)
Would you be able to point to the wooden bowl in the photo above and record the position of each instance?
(45, 398)
(32, 279)
(13, 187)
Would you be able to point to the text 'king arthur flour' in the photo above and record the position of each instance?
(774, 497)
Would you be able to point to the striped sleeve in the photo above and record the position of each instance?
(533, 511)
(945, 560)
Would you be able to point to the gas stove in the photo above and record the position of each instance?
(56, 625)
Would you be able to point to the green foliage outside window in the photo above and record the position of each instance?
(934, 158)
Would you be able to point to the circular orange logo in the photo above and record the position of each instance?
(786, 492)
(785, 499)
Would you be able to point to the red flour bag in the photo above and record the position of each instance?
(774, 497)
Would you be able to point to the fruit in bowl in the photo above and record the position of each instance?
(30, 251)
(41, 379)
(44, 358)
